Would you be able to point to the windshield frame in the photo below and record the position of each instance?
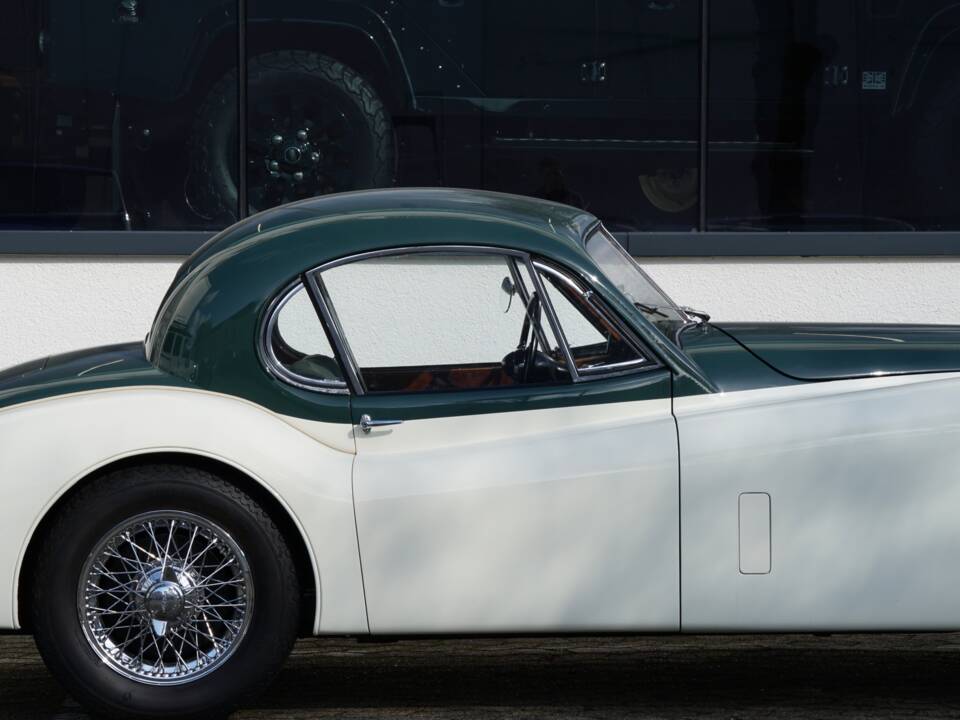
(685, 319)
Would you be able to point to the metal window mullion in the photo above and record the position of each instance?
(648, 359)
(554, 320)
(525, 298)
(323, 305)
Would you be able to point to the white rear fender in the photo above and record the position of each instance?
(48, 446)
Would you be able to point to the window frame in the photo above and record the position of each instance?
(268, 358)
(323, 305)
(326, 307)
(646, 358)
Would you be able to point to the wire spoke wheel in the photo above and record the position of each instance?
(165, 597)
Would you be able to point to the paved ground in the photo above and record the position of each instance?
(737, 677)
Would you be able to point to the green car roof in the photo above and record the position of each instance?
(206, 330)
(564, 223)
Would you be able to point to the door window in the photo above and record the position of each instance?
(431, 322)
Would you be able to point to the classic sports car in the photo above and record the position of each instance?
(408, 412)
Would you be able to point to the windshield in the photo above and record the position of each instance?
(623, 271)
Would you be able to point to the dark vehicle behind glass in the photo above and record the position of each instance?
(817, 115)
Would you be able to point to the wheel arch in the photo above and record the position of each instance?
(304, 562)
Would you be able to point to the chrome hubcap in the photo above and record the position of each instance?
(165, 597)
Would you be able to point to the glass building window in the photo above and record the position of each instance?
(827, 115)
(145, 115)
(101, 128)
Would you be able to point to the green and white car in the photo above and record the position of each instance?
(410, 412)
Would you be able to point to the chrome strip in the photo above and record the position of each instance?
(323, 304)
(525, 297)
(647, 360)
(269, 359)
(554, 321)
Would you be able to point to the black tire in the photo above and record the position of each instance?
(936, 156)
(286, 89)
(80, 526)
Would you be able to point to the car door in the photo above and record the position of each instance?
(496, 488)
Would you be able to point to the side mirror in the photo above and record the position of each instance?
(510, 289)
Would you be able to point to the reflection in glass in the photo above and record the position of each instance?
(100, 127)
(822, 115)
(828, 115)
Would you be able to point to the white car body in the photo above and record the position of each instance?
(563, 520)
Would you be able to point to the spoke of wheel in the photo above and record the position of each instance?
(227, 563)
(104, 570)
(134, 546)
(218, 594)
(122, 648)
(178, 553)
(111, 608)
(111, 575)
(196, 649)
(136, 569)
(166, 552)
(213, 638)
(100, 591)
(152, 533)
(203, 552)
(180, 660)
(232, 625)
(239, 605)
(193, 536)
(160, 665)
(233, 582)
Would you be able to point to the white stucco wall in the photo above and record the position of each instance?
(50, 305)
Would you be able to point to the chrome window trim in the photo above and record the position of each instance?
(268, 357)
(647, 360)
(525, 297)
(331, 322)
(554, 321)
